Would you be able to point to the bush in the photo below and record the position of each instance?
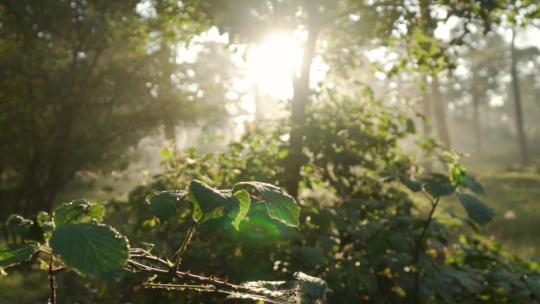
(360, 229)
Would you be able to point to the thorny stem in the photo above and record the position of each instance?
(161, 267)
(184, 246)
(142, 261)
(52, 286)
(418, 247)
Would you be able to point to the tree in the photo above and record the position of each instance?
(518, 107)
(320, 21)
(74, 77)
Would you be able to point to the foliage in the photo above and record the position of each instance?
(78, 242)
(360, 230)
(362, 234)
(79, 82)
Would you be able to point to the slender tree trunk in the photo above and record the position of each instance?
(427, 112)
(426, 108)
(300, 99)
(440, 112)
(439, 105)
(476, 114)
(520, 130)
(477, 128)
(165, 95)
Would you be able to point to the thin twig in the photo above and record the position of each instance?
(418, 247)
(184, 246)
(163, 268)
(52, 286)
(170, 286)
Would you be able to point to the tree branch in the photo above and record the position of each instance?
(52, 284)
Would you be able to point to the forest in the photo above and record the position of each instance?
(269, 151)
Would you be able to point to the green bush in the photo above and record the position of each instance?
(360, 231)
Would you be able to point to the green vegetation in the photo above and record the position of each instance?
(291, 152)
(515, 196)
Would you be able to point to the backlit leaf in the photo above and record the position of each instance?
(78, 211)
(281, 206)
(164, 204)
(240, 212)
(92, 249)
(14, 254)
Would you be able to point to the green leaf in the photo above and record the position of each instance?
(477, 211)
(208, 203)
(471, 183)
(42, 217)
(78, 211)
(240, 212)
(92, 249)
(281, 206)
(457, 174)
(413, 185)
(18, 224)
(438, 185)
(165, 204)
(14, 254)
(165, 153)
(25, 228)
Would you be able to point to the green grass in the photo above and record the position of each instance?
(516, 198)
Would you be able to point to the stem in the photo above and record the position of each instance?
(156, 270)
(52, 286)
(184, 246)
(142, 261)
(418, 247)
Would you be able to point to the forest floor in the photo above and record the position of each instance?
(515, 196)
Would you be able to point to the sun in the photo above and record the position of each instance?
(273, 63)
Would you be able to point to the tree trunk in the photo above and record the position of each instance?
(477, 128)
(476, 95)
(426, 108)
(426, 124)
(166, 95)
(520, 130)
(300, 99)
(440, 112)
(439, 105)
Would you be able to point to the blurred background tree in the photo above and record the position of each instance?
(79, 82)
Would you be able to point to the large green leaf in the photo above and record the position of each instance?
(209, 203)
(13, 254)
(476, 210)
(91, 248)
(281, 206)
(239, 213)
(165, 204)
(78, 211)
